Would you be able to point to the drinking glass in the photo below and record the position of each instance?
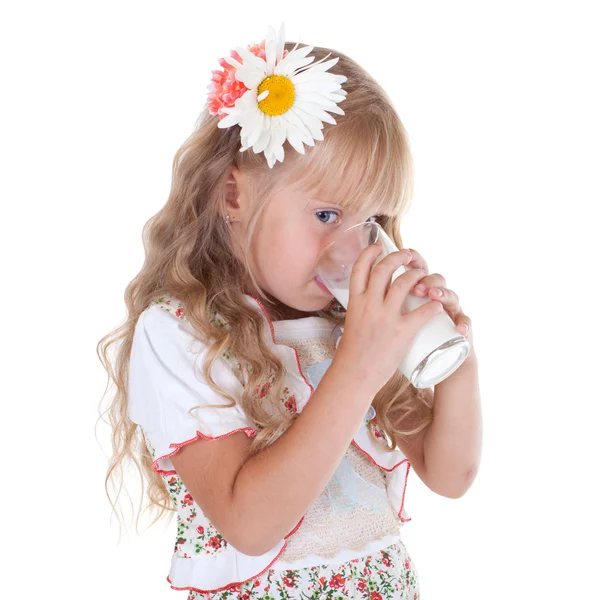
(438, 349)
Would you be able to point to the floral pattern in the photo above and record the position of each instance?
(387, 575)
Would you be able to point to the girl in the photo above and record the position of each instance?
(271, 421)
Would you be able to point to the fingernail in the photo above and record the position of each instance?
(420, 288)
(437, 292)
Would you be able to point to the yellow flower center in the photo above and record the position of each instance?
(281, 95)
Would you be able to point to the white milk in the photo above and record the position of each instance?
(437, 349)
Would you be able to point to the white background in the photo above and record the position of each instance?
(500, 101)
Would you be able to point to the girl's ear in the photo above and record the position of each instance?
(235, 197)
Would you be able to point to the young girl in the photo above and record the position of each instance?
(275, 424)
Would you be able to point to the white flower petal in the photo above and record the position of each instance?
(251, 78)
(294, 138)
(228, 121)
(271, 50)
(256, 127)
(262, 96)
(323, 87)
(251, 60)
(280, 43)
(233, 62)
(282, 67)
(263, 140)
(338, 97)
(278, 135)
(320, 100)
(314, 125)
(316, 111)
(292, 67)
(270, 160)
(295, 123)
(323, 65)
(279, 152)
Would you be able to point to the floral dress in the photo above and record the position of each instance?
(387, 574)
(339, 549)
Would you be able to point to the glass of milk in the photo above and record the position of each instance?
(438, 349)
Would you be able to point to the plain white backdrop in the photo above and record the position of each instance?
(501, 104)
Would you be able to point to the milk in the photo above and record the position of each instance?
(437, 349)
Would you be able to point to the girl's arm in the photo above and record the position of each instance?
(446, 454)
(254, 502)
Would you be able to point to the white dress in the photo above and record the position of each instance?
(347, 545)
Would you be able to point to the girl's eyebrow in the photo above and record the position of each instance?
(319, 201)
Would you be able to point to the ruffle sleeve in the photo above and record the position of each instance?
(166, 382)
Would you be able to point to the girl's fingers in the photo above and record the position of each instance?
(361, 270)
(381, 276)
(464, 326)
(417, 262)
(432, 280)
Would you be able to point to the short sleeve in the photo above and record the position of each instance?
(166, 381)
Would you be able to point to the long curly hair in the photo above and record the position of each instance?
(364, 161)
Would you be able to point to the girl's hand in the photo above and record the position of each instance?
(377, 333)
(434, 286)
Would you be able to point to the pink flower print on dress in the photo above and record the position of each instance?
(290, 404)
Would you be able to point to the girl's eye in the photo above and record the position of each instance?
(326, 212)
(372, 219)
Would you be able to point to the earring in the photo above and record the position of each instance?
(227, 219)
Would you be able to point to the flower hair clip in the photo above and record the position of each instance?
(275, 95)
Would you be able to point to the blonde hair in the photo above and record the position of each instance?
(364, 162)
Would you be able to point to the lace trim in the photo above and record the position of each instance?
(323, 531)
(325, 534)
(312, 350)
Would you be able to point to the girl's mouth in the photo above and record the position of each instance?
(322, 286)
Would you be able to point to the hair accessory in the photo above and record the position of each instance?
(274, 96)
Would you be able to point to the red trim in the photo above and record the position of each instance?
(389, 470)
(373, 460)
(240, 583)
(247, 430)
(403, 493)
(273, 338)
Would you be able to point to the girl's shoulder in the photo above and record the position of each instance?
(175, 306)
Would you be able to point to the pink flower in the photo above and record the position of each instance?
(214, 542)
(265, 389)
(337, 581)
(224, 88)
(290, 404)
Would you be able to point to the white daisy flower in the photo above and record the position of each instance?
(285, 99)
